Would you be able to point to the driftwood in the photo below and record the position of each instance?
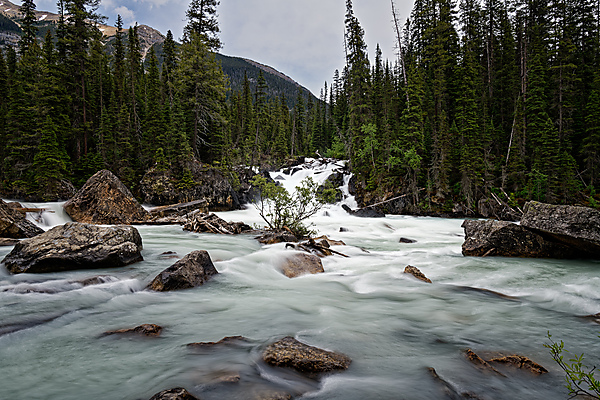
(210, 223)
(310, 246)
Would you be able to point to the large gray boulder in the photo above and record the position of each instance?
(105, 200)
(505, 239)
(13, 224)
(573, 226)
(289, 352)
(192, 270)
(76, 246)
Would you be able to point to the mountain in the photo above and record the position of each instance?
(278, 83)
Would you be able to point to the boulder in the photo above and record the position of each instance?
(406, 240)
(192, 270)
(494, 208)
(289, 352)
(207, 183)
(301, 264)
(76, 246)
(105, 200)
(210, 223)
(14, 225)
(151, 330)
(414, 271)
(174, 394)
(573, 226)
(505, 239)
(367, 212)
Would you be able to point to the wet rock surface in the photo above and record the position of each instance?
(301, 264)
(76, 246)
(520, 362)
(505, 239)
(150, 330)
(573, 226)
(545, 231)
(193, 270)
(289, 352)
(414, 271)
(14, 225)
(104, 199)
(368, 212)
(174, 394)
(228, 340)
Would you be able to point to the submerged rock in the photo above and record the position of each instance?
(228, 340)
(414, 271)
(300, 264)
(520, 362)
(367, 212)
(152, 330)
(449, 391)
(14, 225)
(406, 240)
(193, 270)
(105, 200)
(76, 246)
(174, 394)
(505, 239)
(573, 226)
(289, 352)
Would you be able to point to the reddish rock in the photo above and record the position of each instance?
(300, 264)
(289, 352)
(414, 271)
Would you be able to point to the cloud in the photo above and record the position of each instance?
(126, 14)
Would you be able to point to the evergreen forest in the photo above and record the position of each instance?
(485, 97)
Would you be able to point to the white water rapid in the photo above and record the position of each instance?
(392, 326)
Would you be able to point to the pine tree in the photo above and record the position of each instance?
(202, 19)
(28, 22)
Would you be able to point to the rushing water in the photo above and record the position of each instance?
(391, 325)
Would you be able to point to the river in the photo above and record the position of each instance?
(392, 326)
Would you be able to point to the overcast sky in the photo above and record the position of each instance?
(301, 38)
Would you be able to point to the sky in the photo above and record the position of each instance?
(301, 38)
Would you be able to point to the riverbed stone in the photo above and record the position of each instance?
(193, 270)
(505, 239)
(573, 226)
(520, 362)
(414, 271)
(76, 246)
(104, 199)
(151, 330)
(289, 352)
(14, 225)
(174, 394)
(299, 264)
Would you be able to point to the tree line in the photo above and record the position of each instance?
(484, 96)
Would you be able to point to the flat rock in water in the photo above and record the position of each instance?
(191, 271)
(520, 362)
(174, 394)
(289, 352)
(573, 226)
(14, 225)
(105, 200)
(366, 212)
(406, 240)
(228, 340)
(300, 264)
(414, 271)
(505, 239)
(151, 330)
(76, 246)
